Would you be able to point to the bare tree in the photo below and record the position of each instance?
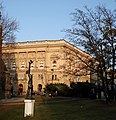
(75, 66)
(95, 31)
(9, 26)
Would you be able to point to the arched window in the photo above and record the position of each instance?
(6, 64)
(54, 64)
(32, 66)
(14, 66)
(41, 65)
(22, 65)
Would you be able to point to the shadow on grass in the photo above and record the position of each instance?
(80, 109)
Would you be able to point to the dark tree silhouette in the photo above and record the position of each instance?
(8, 26)
(95, 31)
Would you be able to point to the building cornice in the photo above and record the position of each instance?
(43, 43)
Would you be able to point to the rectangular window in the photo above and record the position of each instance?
(40, 76)
(54, 77)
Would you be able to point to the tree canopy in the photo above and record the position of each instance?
(91, 28)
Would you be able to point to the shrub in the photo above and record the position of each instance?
(81, 89)
(59, 89)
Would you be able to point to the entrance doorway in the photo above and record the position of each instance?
(20, 89)
(40, 88)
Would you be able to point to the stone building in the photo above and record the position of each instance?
(54, 61)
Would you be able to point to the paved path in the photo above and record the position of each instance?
(15, 101)
(12, 100)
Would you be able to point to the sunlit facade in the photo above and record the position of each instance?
(49, 58)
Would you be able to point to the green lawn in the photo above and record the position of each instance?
(83, 109)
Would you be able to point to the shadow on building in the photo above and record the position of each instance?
(11, 82)
(2, 79)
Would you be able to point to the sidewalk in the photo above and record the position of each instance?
(11, 100)
(21, 101)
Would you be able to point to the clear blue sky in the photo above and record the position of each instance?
(45, 19)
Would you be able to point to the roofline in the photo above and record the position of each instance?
(51, 41)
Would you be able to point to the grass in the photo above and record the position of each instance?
(83, 109)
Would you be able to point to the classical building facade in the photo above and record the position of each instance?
(54, 61)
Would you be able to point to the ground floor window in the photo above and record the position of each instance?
(20, 89)
(54, 77)
(40, 76)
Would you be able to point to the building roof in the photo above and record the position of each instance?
(43, 43)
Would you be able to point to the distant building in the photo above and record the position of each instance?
(54, 61)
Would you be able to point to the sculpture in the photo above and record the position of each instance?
(30, 84)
